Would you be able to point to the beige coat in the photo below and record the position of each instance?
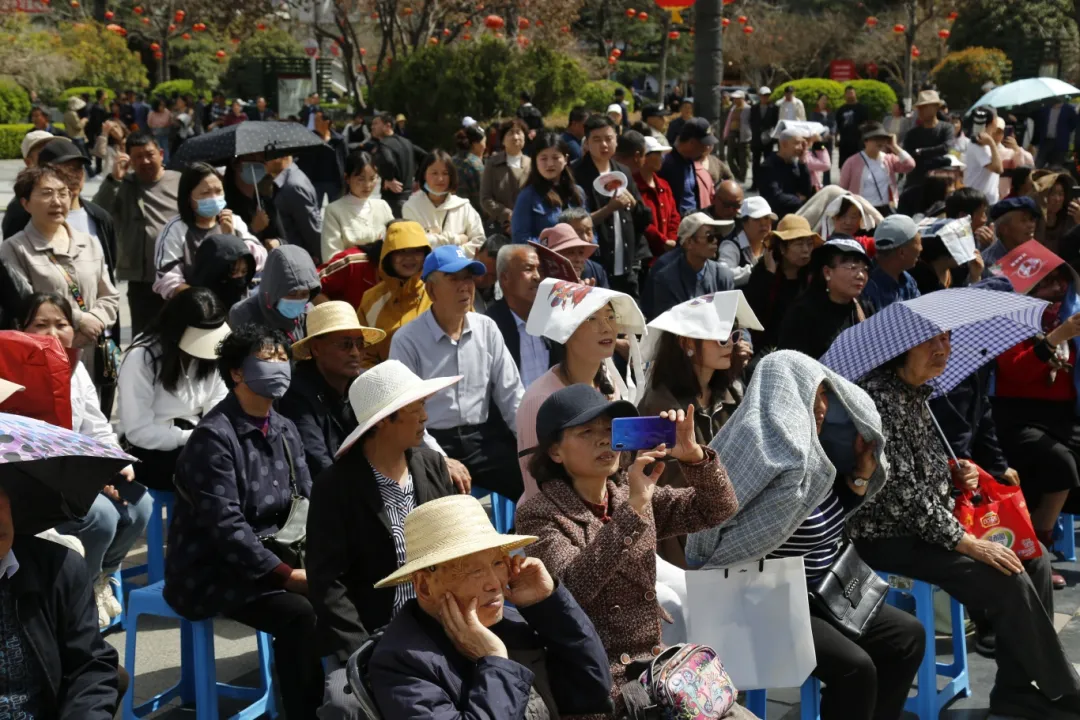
(500, 185)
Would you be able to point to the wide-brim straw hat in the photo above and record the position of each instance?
(331, 317)
(928, 97)
(382, 391)
(795, 227)
(447, 529)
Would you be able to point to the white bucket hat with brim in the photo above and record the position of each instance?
(561, 307)
(330, 317)
(447, 529)
(708, 317)
(202, 342)
(383, 390)
(8, 388)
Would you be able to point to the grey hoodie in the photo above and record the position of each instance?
(288, 269)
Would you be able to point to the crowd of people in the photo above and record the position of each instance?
(375, 343)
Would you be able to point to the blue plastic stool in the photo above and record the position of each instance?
(1065, 537)
(501, 508)
(809, 700)
(154, 567)
(927, 703)
(198, 674)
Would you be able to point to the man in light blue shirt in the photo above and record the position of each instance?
(449, 339)
(899, 245)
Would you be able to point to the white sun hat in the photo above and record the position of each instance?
(383, 390)
(653, 145)
(8, 388)
(561, 307)
(708, 317)
(202, 342)
(446, 529)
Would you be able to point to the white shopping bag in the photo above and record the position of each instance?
(757, 618)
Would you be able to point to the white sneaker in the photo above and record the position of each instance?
(101, 590)
(112, 602)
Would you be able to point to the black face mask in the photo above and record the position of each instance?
(233, 290)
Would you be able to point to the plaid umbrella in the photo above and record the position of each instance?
(220, 146)
(51, 474)
(984, 324)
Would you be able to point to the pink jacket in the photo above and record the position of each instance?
(818, 163)
(851, 173)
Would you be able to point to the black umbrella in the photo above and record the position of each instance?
(51, 474)
(220, 146)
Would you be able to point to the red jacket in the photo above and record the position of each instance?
(665, 222)
(1023, 372)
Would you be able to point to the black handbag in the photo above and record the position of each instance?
(289, 543)
(850, 594)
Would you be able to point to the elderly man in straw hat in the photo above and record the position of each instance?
(928, 142)
(357, 515)
(458, 650)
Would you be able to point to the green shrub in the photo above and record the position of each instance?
(169, 88)
(11, 137)
(14, 102)
(598, 94)
(878, 97)
(960, 75)
(553, 78)
(85, 90)
(808, 90)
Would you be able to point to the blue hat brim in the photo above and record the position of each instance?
(450, 268)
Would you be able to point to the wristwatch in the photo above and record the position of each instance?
(860, 482)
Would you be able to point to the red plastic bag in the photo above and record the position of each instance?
(41, 365)
(999, 514)
(348, 275)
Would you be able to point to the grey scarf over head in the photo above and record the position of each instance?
(775, 460)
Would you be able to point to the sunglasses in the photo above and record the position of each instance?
(347, 344)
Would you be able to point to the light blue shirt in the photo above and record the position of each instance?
(480, 355)
(534, 353)
(8, 565)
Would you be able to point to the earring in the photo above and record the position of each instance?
(690, 353)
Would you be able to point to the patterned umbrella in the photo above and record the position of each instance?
(52, 474)
(984, 324)
(219, 146)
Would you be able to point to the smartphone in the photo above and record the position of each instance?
(642, 433)
(1010, 131)
(130, 492)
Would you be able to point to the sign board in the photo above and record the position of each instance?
(311, 48)
(842, 70)
(31, 7)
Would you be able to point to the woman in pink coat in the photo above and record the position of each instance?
(873, 172)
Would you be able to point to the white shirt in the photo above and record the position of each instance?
(791, 110)
(86, 416)
(875, 181)
(81, 221)
(9, 565)
(977, 176)
(146, 410)
(1052, 122)
(534, 353)
(513, 161)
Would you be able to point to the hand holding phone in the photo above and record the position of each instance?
(641, 433)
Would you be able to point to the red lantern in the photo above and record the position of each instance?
(943, 34)
(494, 22)
(674, 7)
(199, 27)
(155, 47)
(109, 14)
(466, 37)
(539, 23)
(616, 53)
(871, 21)
(220, 54)
(565, 29)
(643, 16)
(468, 23)
(113, 28)
(523, 41)
(375, 16)
(728, 2)
(725, 22)
(915, 52)
(748, 30)
(158, 55)
(523, 23)
(363, 52)
(953, 15)
(137, 10)
(172, 28)
(123, 32)
(742, 19)
(630, 12)
(74, 3)
(186, 36)
(260, 26)
(433, 41)
(898, 29)
(446, 32)
(612, 60)
(146, 21)
(673, 35)
(407, 11)
(179, 16)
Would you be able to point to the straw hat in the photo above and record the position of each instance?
(447, 529)
(8, 388)
(928, 97)
(382, 391)
(202, 342)
(333, 316)
(794, 227)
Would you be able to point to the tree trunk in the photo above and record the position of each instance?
(708, 59)
(665, 45)
(909, 64)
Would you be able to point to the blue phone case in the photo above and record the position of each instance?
(641, 433)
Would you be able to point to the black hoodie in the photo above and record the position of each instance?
(212, 268)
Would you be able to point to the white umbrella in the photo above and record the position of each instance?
(1027, 94)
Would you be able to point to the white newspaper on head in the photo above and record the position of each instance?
(955, 233)
(757, 618)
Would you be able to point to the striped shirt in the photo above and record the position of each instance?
(817, 540)
(399, 501)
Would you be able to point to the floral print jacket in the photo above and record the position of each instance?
(917, 497)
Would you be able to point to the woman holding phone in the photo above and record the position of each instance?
(201, 203)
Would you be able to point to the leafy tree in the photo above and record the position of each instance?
(33, 57)
(14, 101)
(197, 60)
(101, 57)
(1029, 32)
(961, 75)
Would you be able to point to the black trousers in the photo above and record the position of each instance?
(1020, 607)
(144, 305)
(489, 451)
(736, 154)
(290, 619)
(868, 678)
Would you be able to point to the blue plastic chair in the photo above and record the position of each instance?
(154, 567)
(927, 703)
(1065, 537)
(809, 700)
(501, 508)
(198, 673)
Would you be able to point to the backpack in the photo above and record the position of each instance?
(42, 366)
(684, 682)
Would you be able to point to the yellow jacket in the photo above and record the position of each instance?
(393, 302)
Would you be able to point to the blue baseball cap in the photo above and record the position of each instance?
(450, 259)
(1014, 203)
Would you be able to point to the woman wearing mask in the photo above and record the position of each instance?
(121, 511)
(598, 519)
(505, 174)
(49, 256)
(549, 191)
(830, 305)
(694, 363)
(469, 161)
(355, 219)
(289, 282)
(588, 331)
(781, 276)
(446, 218)
(224, 264)
(167, 382)
(236, 480)
(401, 295)
(200, 198)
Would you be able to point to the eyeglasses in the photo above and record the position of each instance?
(853, 266)
(347, 344)
(711, 238)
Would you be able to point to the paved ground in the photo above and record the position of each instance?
(159, 646)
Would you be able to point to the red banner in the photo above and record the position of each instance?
(842, 70)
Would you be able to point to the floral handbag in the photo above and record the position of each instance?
(685, 682)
